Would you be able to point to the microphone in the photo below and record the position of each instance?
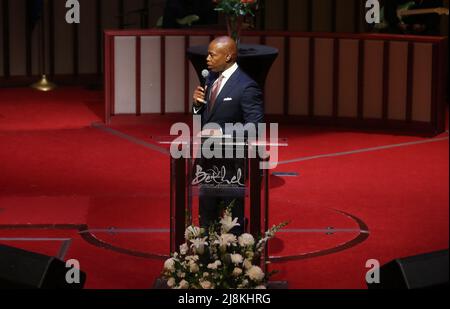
(205, 74)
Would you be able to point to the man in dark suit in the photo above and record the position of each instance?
(230, 97)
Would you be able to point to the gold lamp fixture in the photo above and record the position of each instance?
(43, 84)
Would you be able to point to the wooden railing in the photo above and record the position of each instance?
(363, 80)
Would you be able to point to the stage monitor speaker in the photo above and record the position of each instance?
(20, 269)
(425, 271)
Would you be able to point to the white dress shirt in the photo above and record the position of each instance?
(226, 76)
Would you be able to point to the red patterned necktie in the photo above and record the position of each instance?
(215, 92)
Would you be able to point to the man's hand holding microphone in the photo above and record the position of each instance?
(200, 93)
(199, 96)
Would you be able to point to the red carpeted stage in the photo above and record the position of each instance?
(74, 188)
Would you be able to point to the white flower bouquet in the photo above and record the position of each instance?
(218, 259)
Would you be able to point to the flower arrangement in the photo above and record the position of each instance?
(235, 12)
(218, 260)
(236, 7)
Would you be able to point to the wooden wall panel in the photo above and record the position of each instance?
(322, 13)
(345, 12)
(299, 77)
(360, 16)
(397, 80)
(1, 39)
(110, 12)
(150, 74)
(17, 47)
(444, 21)
(156, 10)
(323, 81)
(422, 87)
(274, 97)
(47, 34)
(132, 19)
(63, 63)
(175, 55)
(373, 80)
(36, 49)
(87, 48)
(348, 78)
(64, 49)
(298, 15)
(274, 15)
(125, 75)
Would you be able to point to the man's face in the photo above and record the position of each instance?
(218, 57)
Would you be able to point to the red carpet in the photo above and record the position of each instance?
(66, 108)
(108, 191)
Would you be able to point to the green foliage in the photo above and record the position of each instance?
(237, 7)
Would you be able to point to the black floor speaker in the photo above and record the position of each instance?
(425, 271)
(20, 269)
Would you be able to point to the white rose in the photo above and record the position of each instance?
(184, 248)
(192, 258)
(205, 275)
(171, 282)
(183, 285)
(260, 287)
(244, 283)
(246, 240)
(237, 272)
(249, 255)
(193, 268)
(214, 265)
(255, 273)
(206, 285)
(248, 264)
(169, 265)
(236, 259)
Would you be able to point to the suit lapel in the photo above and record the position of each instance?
(229, 86)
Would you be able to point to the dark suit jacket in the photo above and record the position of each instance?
(240, 101)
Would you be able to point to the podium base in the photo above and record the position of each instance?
(161, 284)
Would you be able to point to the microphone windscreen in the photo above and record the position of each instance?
(205, 73)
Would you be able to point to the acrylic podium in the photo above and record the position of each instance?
(236, 175)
